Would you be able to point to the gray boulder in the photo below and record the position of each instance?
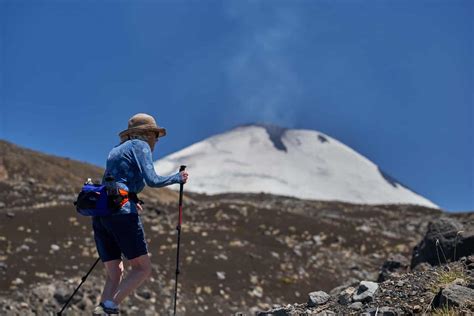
(351, 282)
(44, 292)
(357, 306)
(454, 295)
(317, 298)
(382, 311)
(325, 313)
(388, 311)
(62, 294)
(275, 312)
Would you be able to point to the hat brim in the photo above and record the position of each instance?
(160, 131)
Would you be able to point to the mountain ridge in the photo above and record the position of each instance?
(275, 132)
(262, 157)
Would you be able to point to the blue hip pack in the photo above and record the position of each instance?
(93, 200)
(103, 199)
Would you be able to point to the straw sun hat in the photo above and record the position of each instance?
(142, 122)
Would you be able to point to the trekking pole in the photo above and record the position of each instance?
(178, 228)
(83, 280)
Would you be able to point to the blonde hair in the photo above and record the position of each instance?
(142, 135)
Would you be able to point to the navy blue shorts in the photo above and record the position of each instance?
(117, 234)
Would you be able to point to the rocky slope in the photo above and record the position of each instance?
(30, 178)
(441, 287)
(440, 290)
(240, 252)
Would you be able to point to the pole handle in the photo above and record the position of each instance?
(182, 167)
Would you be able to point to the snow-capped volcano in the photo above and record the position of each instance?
(293, 162)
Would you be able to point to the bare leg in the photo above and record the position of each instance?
(114, 270)
(141, 270)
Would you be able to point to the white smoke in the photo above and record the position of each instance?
(262, 79)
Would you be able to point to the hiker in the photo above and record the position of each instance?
(130, 164)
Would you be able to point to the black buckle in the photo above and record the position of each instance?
(132, 196)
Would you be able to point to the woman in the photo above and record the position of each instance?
(130, 163)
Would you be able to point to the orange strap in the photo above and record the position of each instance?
(125, 195)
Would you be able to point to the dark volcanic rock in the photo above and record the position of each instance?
(345, 297)
(365, 292)
(275, 133)
(395, 264)
(445, 238)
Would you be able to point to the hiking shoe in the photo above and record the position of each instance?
(101, 309)
(98, 310)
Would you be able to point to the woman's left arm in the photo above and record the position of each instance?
(141, 151)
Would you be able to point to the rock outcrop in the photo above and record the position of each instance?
(447, 239)
(447, 284)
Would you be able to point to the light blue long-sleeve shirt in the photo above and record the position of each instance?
(131, 165)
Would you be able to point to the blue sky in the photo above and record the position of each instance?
(391, 79)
